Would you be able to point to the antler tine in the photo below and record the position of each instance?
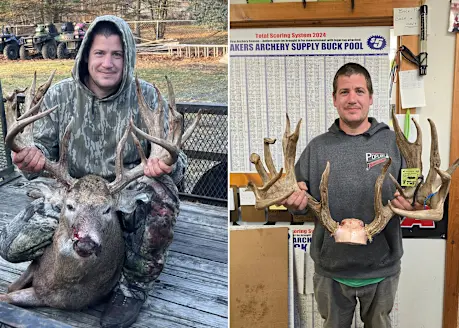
(60, 169)
(255, 160)
(453, 167)
(191, 127)
(171, 94)
(176, 121)
(285, 137)
(432, 182)
(402, 192)
(123, 177)
(17, 123)
(154, 127)
(170, 147)
(30, 92)
(325, 216)
(412, 152)
(154, 121)
(269, 157)
(289, 142)
(120, 179)
(13, 139)
(177, 136)
(32, 98)
(17, 142)
(382, 213)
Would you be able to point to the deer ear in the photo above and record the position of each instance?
(51, 190)
(128, 198)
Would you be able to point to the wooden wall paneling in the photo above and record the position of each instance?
(451, 290)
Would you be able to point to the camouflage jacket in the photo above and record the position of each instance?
(98, 123)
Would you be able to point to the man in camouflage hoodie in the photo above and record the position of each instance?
(101, 97)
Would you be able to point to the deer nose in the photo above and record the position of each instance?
(86, 246)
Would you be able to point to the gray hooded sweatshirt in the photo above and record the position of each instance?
(355, 163)
(98, 123)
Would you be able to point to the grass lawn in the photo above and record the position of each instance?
(194, 79)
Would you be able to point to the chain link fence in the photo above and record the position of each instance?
(178, 31)
(207, 151)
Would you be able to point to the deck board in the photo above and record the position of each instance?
(190, 292)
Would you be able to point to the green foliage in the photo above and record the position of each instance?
(211, 13)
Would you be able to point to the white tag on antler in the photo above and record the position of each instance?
(247, 197)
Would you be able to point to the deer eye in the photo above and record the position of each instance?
(70, 207)
(107, 210)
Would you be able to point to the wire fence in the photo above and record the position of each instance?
(207, 151)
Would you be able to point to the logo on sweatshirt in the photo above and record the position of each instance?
(374, 159)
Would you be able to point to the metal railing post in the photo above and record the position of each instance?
(9, 163)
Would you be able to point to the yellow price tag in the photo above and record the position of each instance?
(410, 177)
(278, 208)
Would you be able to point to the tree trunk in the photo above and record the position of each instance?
(137, 24)
(162, 15)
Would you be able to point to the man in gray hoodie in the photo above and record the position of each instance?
(101, 97)
(354, 145)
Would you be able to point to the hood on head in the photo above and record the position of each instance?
(78, 71)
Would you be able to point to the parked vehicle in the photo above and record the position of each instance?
(41, 42)
(9, 44)
(69, 40)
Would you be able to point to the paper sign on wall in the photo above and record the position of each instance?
(406, 21)
(231, 199)
(246, 196)
(412, 92)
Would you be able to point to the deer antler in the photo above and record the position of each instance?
(169, 147)
(277, 187)
(434, 190)
(20, 130)
(352, 230)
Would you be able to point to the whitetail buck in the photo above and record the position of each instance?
(278, 187)
(85, 259)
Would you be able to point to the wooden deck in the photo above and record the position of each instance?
(190, 292)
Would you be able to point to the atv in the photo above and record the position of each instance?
(69, 40)
(42, 42)
(9, 44)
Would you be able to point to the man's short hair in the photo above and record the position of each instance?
(352, 69)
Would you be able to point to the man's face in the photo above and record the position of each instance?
(352, 100)
(105, 65)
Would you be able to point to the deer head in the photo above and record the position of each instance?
(277, 187)
(89, 204)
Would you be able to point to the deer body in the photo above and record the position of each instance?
(84, 261)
